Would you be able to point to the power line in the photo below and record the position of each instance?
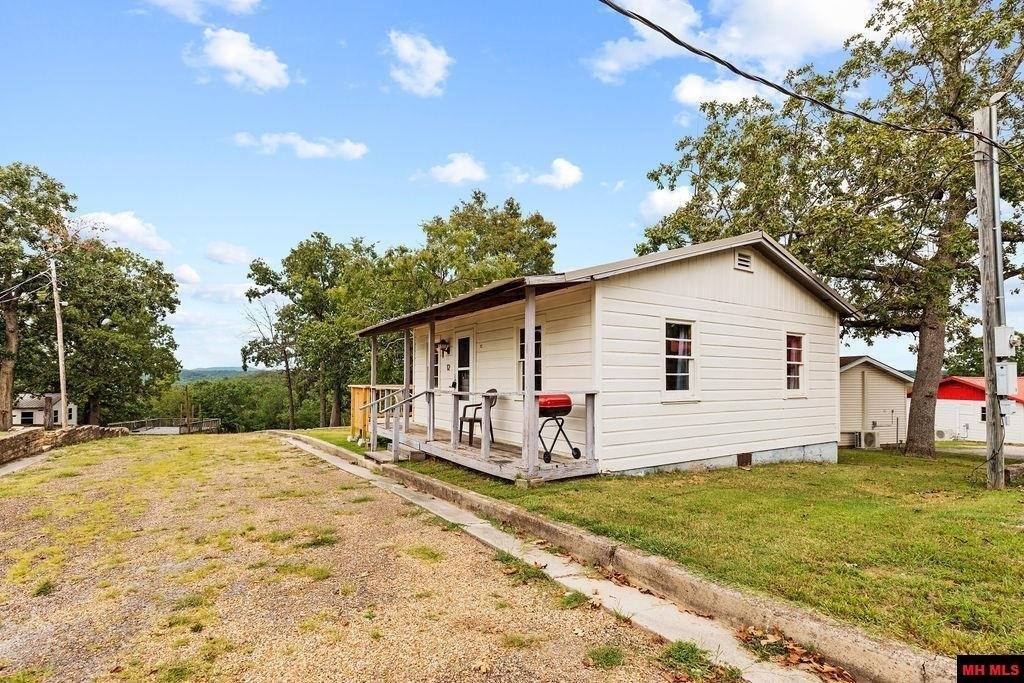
(700, 52)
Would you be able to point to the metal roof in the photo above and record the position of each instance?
(849, 362)
(513, 289)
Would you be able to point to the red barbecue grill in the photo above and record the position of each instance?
(554, 408)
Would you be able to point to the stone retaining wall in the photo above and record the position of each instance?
(34, 440)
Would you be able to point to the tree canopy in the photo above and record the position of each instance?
(886, 216)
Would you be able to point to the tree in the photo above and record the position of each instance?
(270, 346)
(318, 280)
(120, 350)
(32, 210)
(967, 359)
(886, 216)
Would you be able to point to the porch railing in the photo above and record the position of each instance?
(402, 399)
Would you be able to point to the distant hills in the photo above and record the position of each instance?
(195, 374)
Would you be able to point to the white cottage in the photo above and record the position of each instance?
(710, 355)
(41, 410)
(872, 402)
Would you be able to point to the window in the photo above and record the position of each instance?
(536, 359)
(983, 413)
(462, 364)
(27, 417)
(437, 364)
(678, 356)
(56, 414)
(794, 362)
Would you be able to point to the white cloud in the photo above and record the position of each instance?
(186, 274)
(563, 174)
(694, 90)
(194, 10)
(242, 64)
(422, 66)
(224, 293)
(779, 34)
(767, 36)
(662, 202)
(613, 187)
(516, 175)
(618, 57)
(227, 253)
(461, 167)
(124, 228)
(320, 148)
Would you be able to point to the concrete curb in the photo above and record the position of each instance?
(344, 454)
(867, 657)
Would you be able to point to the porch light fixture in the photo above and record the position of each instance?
(443, 346)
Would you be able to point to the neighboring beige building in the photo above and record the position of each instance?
(873, 398)
(711, 355)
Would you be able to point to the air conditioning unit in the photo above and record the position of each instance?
(869, 440)
(943, 434)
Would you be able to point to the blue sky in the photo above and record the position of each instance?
(207, 132)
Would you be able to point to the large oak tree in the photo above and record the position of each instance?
(886, 216)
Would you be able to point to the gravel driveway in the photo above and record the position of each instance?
(239, 558)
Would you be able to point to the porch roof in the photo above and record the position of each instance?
(513, 289)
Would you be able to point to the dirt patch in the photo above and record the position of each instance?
(231, 557)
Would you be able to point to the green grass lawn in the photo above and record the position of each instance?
(909, 548)
(334, 435)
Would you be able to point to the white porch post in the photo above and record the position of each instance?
(373, 393)
(591, 451)
(530, 418)
(431, 365)
(407, 374)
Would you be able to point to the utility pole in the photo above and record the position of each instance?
(60, 345)
(997, 337)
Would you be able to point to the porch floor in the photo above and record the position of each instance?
(505, 459)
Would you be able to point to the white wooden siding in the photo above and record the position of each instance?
(885, 397)
(740, 325)
(963, 418)
(566, 355)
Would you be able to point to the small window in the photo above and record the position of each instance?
(794, 362)
(984, 413)
(678, 356)
(745, 261)
(437, 364)
(536, 360)
(27, 417)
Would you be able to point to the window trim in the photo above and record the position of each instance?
(675, 395)
(541, 322)
(543, 366)
(984, 413)
(469, 332)
(801, 391)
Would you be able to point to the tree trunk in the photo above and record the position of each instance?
(10, 311)
(323, 398)
(92, 407)
(291, 393)
(336, 405)
(931, 351)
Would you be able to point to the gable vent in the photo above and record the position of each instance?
(745, 261)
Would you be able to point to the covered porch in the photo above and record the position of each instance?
(507, 422)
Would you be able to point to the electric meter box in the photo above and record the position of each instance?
(1006, 378)
(1007, 407)
(1005, 343)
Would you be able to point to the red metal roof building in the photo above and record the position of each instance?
(971, 388)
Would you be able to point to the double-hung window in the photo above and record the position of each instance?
(795, 380)
(536, 360)
(679, 360)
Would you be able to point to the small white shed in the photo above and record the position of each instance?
(711, 355)
(41, 410)
(873, 402)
